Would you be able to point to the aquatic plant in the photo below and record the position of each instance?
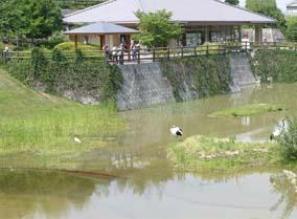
(201, 153)
(247, 110)
(288, 142)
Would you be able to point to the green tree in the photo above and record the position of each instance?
(232, 2)
(156, 29)
(29, 18)
(292, 28)
(268, 8)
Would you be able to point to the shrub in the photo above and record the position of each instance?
(1, 47)
(55, 39)
(68, 48)
(201, 75)
(279, 64)
(39, 62)
(58, 56)
(288, 142)
(58, 73)
(291, 32)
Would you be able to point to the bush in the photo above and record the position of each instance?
(58, 56)
(1, 47)
(291, 32)
(279, 64)
(39, 62)
(68, 48)
(200, 76)
(58, 73)
(55, 39)
(288, 142)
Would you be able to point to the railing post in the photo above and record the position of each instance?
(154, 54)
(168, 53)
(207, 52)
(195, 51)
(182, 51)
(138, 56)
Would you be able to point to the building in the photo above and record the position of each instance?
(292, 8)
(203, 20)
(101, 33)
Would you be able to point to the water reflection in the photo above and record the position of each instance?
(288, 191)
(23, 194)
(38, 195)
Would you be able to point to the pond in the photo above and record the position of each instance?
(143, 183)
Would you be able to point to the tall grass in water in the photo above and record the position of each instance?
(288, 142)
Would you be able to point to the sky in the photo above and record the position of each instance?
(281, 4)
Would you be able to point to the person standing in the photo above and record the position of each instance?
(106, 52)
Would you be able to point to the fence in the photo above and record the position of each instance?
(141, 55)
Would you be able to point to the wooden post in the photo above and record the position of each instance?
(258, 34)
(206, 36)
(129, 46)
(207, 52)
(154, 55)
(239, 34)
(75, 42)
(102, 40)
(168, 53)
(182, 51)
(138, 56)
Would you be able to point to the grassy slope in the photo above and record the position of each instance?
(44, 126)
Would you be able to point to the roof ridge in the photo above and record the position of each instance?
(244, 9)
(89, 8)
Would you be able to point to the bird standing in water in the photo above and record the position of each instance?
(176, 131)
(281, 128)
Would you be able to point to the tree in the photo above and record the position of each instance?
(232, 2)
(156, 29)
(292, 28)
(268, 8)
(29, 18)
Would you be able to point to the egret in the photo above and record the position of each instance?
(77, 140)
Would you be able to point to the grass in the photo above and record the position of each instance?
(247, 110)
(205, 154)
(44, 126)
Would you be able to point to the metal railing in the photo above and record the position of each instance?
(142, 55)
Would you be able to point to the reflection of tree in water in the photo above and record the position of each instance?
(288, 192)
(24, 193)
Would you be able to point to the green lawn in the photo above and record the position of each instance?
(44, 126)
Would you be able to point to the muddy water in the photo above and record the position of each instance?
(145, 185)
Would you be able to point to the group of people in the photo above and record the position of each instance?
(116, 54)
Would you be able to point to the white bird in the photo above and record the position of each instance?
(176, 131)
(279, 129)
(77, 140)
